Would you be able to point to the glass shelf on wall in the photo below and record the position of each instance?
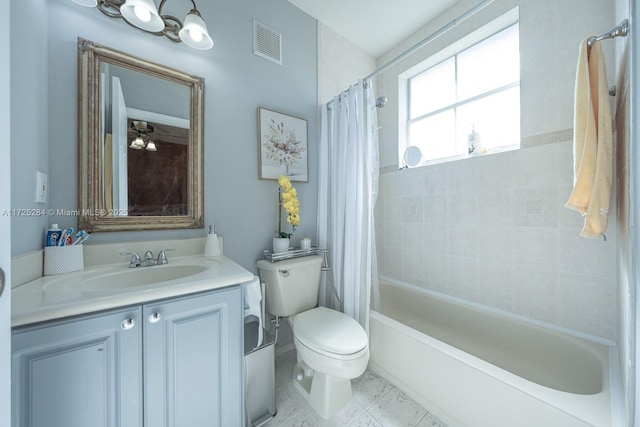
(293, 253)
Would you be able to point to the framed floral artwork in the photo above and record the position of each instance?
(282, 146)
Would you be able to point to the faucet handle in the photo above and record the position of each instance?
(135, 259)
(162, 256)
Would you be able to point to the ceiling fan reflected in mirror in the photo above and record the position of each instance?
(142, 140)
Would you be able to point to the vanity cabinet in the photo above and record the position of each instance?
(175, 362)
(81, 372)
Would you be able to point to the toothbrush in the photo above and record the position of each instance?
(79, 235)
(63, 237)
(85, 236)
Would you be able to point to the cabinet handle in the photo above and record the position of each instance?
(154, 317)
(128, 324)
(1, 281)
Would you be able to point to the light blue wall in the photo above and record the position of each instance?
(29, 120)
(236, 83)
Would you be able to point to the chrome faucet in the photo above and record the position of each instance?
(162, 256)
(148, 260)
(135, 259)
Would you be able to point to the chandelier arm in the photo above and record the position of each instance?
(162, 2)
(172, 27)
(111, 8)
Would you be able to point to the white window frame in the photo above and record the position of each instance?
(495, 26)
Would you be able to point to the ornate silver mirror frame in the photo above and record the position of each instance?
(93, 212)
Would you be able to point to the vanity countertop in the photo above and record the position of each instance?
(54, 297)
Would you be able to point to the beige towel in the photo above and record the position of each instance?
(592, 142)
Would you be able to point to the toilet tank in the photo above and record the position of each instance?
(291, 286)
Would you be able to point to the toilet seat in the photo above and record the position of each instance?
(331, 333)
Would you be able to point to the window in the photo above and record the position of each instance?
(478, 88)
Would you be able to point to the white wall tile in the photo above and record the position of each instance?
(463, 240)
(435, 179)
(535, 207)
(494, 228)
(412, 209)
(435, 209)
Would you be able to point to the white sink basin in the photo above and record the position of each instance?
(120, 278)
(142, 276)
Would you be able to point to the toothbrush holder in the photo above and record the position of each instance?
(63, 259)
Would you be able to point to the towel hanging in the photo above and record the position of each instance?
(592, 142)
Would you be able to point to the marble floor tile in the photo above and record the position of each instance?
(289, 405)
(431, 421)
(345, 417)
(301, 419)
(365, 420)
(369, 388)
(375, 403)
(396, 409)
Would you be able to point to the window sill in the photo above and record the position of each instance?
(458, 157)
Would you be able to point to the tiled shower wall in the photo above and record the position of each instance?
(494, 230)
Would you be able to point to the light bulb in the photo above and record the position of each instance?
(137, 144)
(142, 13)
(195, 35)
(194, 32)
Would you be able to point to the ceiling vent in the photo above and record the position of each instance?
(267, 43)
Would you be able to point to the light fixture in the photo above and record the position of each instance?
(144, 15)
(142, 140)
(151, 146)
(194, 33)
(138, 143)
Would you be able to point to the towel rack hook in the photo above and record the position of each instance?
(619, 31)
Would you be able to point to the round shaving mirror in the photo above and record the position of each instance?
(412, 156)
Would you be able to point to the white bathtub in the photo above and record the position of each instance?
(474, 367)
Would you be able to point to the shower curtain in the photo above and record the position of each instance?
(347, 191)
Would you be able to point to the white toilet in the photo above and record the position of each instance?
(332, 347)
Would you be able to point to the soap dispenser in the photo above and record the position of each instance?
(211, 247)
(474, 143)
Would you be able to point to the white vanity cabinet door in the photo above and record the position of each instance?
(79, 372)
(193, 360)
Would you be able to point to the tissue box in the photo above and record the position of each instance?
(63, 259)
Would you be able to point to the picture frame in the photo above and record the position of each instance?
(282, 146)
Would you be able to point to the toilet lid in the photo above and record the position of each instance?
(329, 330)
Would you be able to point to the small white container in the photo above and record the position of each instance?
(305, 243)
(63, 259)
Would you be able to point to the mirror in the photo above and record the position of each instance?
(412, 157)
(140, 150)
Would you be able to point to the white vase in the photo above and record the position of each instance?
(280, 245)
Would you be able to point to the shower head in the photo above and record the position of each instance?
(381, 102)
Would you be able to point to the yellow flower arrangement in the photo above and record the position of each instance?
(288, 199)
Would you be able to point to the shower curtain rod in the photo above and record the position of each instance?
(424, 42)
(429, 38)
(621, 30)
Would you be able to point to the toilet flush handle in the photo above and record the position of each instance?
(285, 273)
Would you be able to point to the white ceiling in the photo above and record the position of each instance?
(374, 25)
